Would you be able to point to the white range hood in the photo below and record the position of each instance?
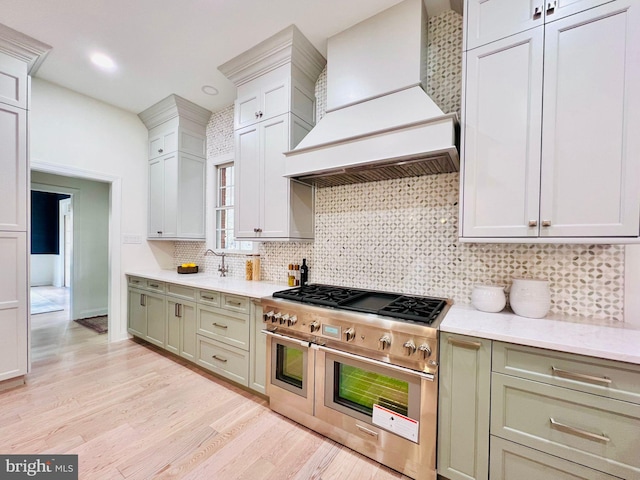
(380, 123)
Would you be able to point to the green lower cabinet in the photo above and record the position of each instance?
(464, 407)
(511, 461)
(181, 328)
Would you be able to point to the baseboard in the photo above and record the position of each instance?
(12, 383)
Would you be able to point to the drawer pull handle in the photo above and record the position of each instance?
(207, 297)
(236, 304)
(578, 432)
(219, 326)
(367, 431)
(154, 285)
(580, 376)
(465, 343)
(220, 359)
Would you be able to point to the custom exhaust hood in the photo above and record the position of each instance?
(380, 123)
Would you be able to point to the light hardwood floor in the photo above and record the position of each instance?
(132, 412)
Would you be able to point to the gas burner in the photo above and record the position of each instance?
(418, 309)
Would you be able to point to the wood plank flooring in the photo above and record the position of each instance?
(132, 412)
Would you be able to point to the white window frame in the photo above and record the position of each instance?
(212, 199)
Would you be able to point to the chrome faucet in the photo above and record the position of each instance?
(221, 268)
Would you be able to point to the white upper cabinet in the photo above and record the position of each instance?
(491, 20)
(555, 156)
(274, 110)
(177, 169)
(13, 168)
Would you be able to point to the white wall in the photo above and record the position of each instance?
(90, 240)
(42, 269)
(84, 137)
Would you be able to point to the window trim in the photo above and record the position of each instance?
(211, 202)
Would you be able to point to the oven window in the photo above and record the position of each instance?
(290, 365)
(360, 389)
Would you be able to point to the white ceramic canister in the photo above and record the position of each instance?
(530, 297)
(488, 298)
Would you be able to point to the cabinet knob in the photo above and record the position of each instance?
(551, 6)
(546, 223)
(257, 114)
(257, 230)
(537, 11)
(533, 223)
(260, 114)
(160, 150)
(159, 232)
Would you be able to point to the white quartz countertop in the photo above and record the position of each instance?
(602, 339)
(209, 281)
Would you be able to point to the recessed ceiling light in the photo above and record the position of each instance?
(209, 90)
(103, 61)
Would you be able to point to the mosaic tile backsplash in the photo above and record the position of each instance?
(401, 235)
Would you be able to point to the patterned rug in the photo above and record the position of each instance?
(98, 324)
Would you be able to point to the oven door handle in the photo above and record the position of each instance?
(397, 368)
(284, 337)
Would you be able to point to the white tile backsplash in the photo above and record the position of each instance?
(401, 235)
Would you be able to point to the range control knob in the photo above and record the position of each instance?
(349, 334)
(292, 320)
(385, 342)
(314, 326)
(276, 318)
(267, 316)
(284, 318)
(425, 349)
(409, 347)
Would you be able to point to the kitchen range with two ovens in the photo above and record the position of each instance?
(360, 367)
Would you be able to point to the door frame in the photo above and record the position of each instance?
(115, 305)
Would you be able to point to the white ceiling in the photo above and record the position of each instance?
(167, 46)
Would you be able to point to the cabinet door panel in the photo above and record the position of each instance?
(170, 199)
(590, 168)
(13, 305)
(189, 326)
(137, 320)
(274, 135)
(248, 182)
(463, 431)
(13, 81)
(501, 158)
(156, 319)
(246, 110)
(490, 20)
(191, 185)
(569, 7)
(156, 199)
(275, 99)
(13, 168)
(173, 327)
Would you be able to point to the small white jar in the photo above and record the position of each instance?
(488, 298)
(530, 297)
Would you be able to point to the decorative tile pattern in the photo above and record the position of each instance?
(401, 235)
(321, 95)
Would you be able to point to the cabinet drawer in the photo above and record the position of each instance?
(180, 291)
(587, 374)
(234, 303)
(512, 461)
(227, 327)
(594, 431)
(137, 282)
(155, 286)
(208, 297)
(226, 361)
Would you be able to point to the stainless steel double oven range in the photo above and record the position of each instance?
(359, 367)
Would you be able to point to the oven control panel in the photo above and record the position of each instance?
(367, 335)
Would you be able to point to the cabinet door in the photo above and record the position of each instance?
(591, 146)
(502, 134)
(174, 326)
(156, 318)
(464, 403)
(274, 136)
(246, 110)
(257, 352)
(156, 199)
(491, 20)
(189, 326)
(170, 199)
(13, 81)
(557, 9)
(166, 142)
(13, 305)
(13, 168)
(274, 98)
(248, 182)
(191, 199)
(137, 321)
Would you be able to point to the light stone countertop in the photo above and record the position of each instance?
(209, 281)
(602, 339)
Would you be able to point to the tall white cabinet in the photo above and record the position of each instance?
(550, 121)
(177, 165)
(20, 56)
(274, 110)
